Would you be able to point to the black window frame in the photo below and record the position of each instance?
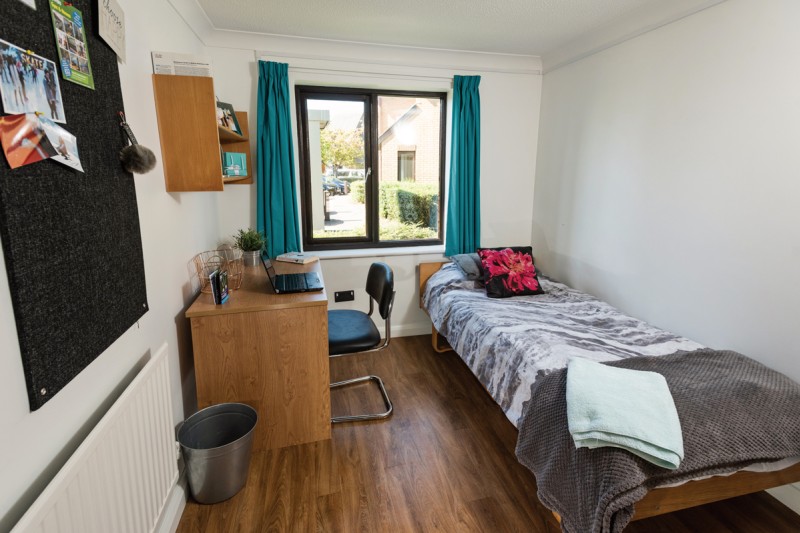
(370, 97)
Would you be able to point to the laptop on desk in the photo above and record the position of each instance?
(290, 283)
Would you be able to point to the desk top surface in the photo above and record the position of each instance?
(256, 293)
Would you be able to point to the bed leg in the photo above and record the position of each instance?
(437, 346)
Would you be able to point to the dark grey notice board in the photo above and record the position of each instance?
(71, 240)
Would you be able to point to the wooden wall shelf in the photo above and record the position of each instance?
(191, 138)
(228, 136)
(232, 142)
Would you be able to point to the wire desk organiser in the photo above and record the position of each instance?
(225, 258)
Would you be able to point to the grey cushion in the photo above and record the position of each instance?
(470, 265)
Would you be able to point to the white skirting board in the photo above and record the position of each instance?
(408, 330)
(788, 495)
(176, 503)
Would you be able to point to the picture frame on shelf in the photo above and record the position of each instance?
(226, 117)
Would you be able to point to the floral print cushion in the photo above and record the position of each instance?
(509, 271)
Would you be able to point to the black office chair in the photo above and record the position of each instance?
(351, 332)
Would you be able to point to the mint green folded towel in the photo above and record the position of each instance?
(628, 409)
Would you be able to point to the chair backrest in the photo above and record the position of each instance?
(380, 286)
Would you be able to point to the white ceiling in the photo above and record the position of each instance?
(530, 27)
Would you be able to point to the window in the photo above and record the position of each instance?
(371, 167)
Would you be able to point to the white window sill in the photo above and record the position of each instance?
(379, 252)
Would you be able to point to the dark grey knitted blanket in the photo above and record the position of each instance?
(733, 411)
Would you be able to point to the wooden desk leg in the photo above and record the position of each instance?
(439, 348)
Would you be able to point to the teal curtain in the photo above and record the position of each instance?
(463, 222)
(276, 191)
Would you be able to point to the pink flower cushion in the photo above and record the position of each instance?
(509, 271)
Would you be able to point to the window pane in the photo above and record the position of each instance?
(409, 167)
(336, 155)
(405, 166)
(371, 166)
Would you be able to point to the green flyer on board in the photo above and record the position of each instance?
(73, 52)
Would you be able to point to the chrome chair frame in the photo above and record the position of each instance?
(376, 379)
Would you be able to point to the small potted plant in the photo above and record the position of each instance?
(250, 242)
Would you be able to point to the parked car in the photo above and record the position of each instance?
(350, 174)
(334, 185)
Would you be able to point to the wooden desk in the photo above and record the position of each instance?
(269, 351)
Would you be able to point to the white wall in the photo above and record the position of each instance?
(33, 446)
(510, 91)
(667, 178)
(667, 181)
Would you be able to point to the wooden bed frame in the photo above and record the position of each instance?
(667, 499)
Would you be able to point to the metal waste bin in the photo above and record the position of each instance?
(216, 443)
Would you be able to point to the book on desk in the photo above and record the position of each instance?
(219, 286)
(297, 257)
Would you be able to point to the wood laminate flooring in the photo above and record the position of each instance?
(443, 462)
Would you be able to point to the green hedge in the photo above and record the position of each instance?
(357, 190)
(390, 230)
(410, 203)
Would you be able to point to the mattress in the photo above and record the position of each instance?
(508, 342)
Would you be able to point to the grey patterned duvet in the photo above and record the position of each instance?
(509, 342)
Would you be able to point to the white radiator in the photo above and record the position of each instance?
(119, 478)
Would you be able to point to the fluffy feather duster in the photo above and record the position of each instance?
(137, 159)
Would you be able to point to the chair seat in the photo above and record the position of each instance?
(351, 331)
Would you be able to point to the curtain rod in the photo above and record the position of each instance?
(356, 64)
(370, 74)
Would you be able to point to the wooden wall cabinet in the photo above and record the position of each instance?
(191, 138)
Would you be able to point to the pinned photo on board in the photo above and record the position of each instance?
(29, 3)
(24, 140)
(73, 53)
(29, 83)
(64, 143)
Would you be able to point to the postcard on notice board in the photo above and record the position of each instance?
(71, 43)
(29, 83)
(29, 138)
(24, 141)
(64, 143)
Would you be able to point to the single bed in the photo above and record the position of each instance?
(507, 345)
